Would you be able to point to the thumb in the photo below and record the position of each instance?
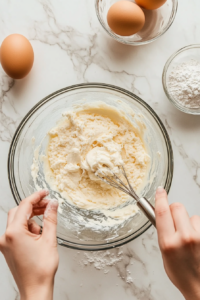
(164, 221)
(50, 221)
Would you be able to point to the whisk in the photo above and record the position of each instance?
(114, 180)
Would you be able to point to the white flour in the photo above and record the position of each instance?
(102, 259)
(105, 260)
(183, 83)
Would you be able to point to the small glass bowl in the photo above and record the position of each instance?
(181, 56)
(158, 21)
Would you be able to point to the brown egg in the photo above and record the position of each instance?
(125, 18)
(150, 4)
(16, 56)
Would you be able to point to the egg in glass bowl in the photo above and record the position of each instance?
(157, 22)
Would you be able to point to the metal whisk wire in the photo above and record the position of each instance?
(116, 182)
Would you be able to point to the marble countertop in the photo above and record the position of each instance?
(71, 47)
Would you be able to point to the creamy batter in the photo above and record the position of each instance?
(87, 140)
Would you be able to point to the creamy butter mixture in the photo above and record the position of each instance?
(88, 140)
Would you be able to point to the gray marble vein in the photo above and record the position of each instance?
(7, 108)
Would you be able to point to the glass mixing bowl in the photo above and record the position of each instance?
(157, 22)
(183, 55)
(42, 117)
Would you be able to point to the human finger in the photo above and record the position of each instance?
(41, 203)
(164, 221)
(181, 218)
(34, 227)
(11, 215)
(26, 206)
(39, 208)
(50, 221)
(38, 212)
(36, 197)
(195, 221)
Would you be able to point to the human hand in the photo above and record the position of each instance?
(179, 240)
(32, 257)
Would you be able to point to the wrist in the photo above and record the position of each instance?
(192, 298)
(43, 292)
(195, 296)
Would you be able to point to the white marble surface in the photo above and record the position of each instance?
(71, 47)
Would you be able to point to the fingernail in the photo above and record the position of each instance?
(52, 205)
(46, 192)
(159, 190)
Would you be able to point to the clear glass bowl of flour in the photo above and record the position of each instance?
(157, 22)
(188, 55)
(79, 228)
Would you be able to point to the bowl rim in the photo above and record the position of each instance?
(121, 40)
(11, 157)
(168, 63)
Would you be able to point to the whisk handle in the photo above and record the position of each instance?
(147, 209)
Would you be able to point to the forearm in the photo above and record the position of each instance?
(194, 297)
(39, 293)
(191, 291)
